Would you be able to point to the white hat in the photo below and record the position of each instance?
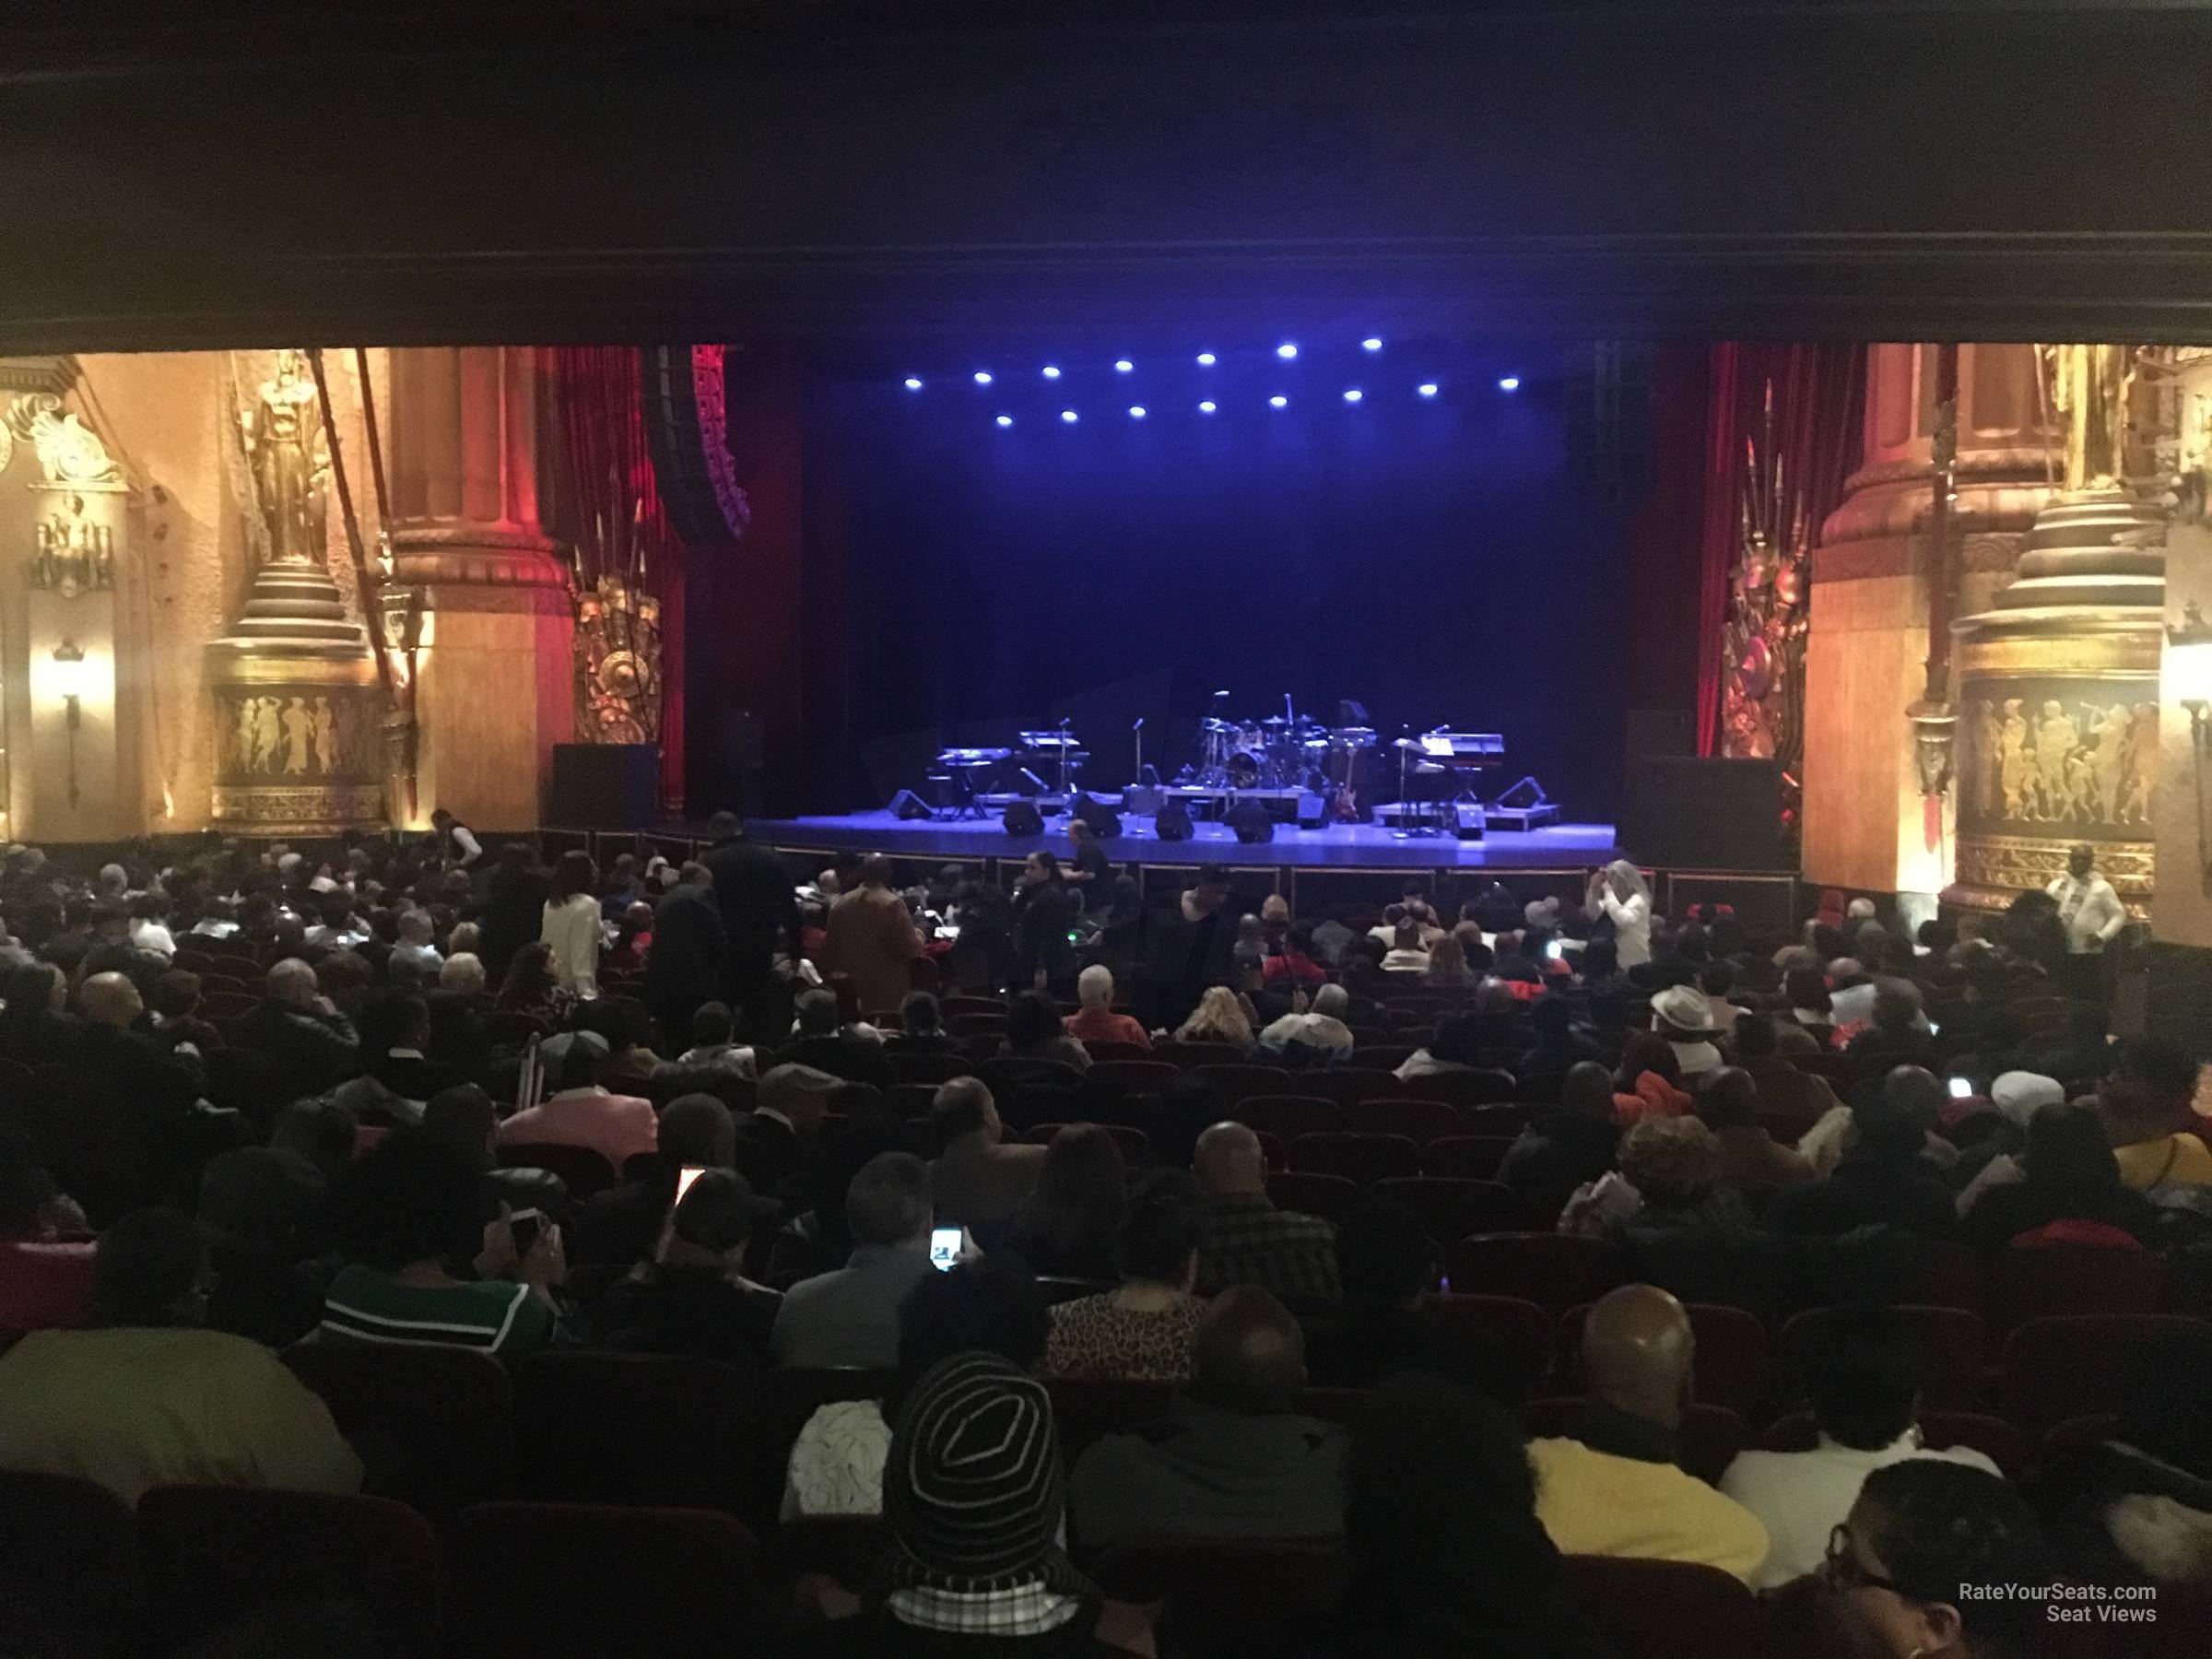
(2016, 1094)
(1684, 1008)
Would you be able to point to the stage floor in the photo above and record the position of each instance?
(1338, 846)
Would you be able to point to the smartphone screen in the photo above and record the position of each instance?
(1555, 950)
(525, 1226)
(1961, 1088)
(944, 1247)
(685, 1177)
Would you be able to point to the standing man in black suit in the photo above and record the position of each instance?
(688, 962)
(759, 912)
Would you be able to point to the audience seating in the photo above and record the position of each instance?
(91, 1139)
(605, 1428)
(1363, 1158)
(1387, 1057)
(1953, 1344)
(583, 1171)
(2073, 1365)
(1328, 1197)
(846, 1547)
(1466, 1156)
(214, 1555)
(1553, 1270)
(510, 1028)
(976, 1025)
(1731, 1361)
(1705, 1444)
(1505, 1119)
(1010, 1073)
(1026, 1105)
(952, 1006)
(1667, 1609)
(70, 1548)
(1274, 1150)
(1190, 1057)
(1420, 1122)
(909, 1066)
(785, 1396)
(435, 1426)
(1134, 1143)
(2047, 1280)
(1463, 1088)
(1539, 1088)
(1099, 1048)
(1291, 1115)
(1451, 1210)
(1350, 1086)
(1111, 1080)
(44, 1285)
(568, 1580)
(1992, 1437)
(1085, 1411)
(1234, 1084)
(1524, 1330)
(1224, 1598)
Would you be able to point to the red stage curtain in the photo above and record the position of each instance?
(1820, 402)
(600, 470)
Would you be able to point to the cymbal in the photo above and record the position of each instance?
(1407, 743)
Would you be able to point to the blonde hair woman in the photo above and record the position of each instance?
(1619, 893)
(1220, 1018)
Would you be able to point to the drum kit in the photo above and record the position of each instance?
(1284, 751)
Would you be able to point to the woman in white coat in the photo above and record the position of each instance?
(573, 924)
(1617, 891)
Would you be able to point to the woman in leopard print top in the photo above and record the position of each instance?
(1144, 1331)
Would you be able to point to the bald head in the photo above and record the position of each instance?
(292, 981)
(1637, 1352)
(111, 1000)
(1587, 1091)
(1229, 1162)
(1250, 1355)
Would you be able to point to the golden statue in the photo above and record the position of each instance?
(2089, 387)
(289, 455)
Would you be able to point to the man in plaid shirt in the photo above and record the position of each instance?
(1246, 1239)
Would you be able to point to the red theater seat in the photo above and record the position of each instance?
(1553, 1270)
(44, 1285)
(1668, 1609)
(71, 1550)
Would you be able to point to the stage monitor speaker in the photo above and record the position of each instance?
(1143, 799)
(1174, 824)
(1468, 821)
(1695, 814)
(1250, 822)
(1099, 815)
(1523, 796)
(1023, 818)
(906, 804)
(604, 786)
(1313, 811)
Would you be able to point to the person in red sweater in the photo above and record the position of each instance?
(1294, 965)
(1096, 1021)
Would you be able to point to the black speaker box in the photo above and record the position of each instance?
(1250, 822)
(1023, 818)
(906, 804)
(1467, 821)
(1695, 814)
(1311, 810)
(1098, 814)
(1174, 824)
(604, 786)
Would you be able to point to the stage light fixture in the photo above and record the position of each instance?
(1207, 406)
(1370, 344)
(1426, 388)
(1352, 395)
(1279, 401)
(912, 384)
(1287, 350)
(1052, 371)
(1005, 420)
(1122, 365)
(1070, 416)
(1207, 359)
(1136, 411)
(1511, 383)
(983, 377)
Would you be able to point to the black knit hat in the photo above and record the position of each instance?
(974, 1486)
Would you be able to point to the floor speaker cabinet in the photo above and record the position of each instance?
(1099, 815)
(1313, 811)
(1023, 818)
(1174, 824)
(1142, 799)
(907, 805)
(1690, 813)
(1249, 819)
(604, 786)
(1469, 822)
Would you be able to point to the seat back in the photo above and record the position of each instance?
(1940, 1431)
(1553, 1270)
(214, 1555)
(574, 1580)
(583, 1171)
(2050, 1280)
(2074, 1365)
(1350, 1085)
(1223, 1597)
(71, 1550)
(44, 1285)
(1291, 1115)
(647, 1428)
(1952, 1344)
(1667, 1609)
(1731, 1354)
(1422, 1121)
(1085, 1411)
(1450, 1208)
(1361, 1158)
(1111, 1080)
(1233, 1084)
(1384, 1057)
(1526, 1332)
(909, 1066)
(434, 1425)
(1328, 1197)
(1463, 1088)
(1465, 1156)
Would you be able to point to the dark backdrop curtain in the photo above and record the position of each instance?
(1820, 402)
(601, 473)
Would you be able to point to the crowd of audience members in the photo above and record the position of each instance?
(282, 1089)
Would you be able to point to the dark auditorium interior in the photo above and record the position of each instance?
(1259, 831)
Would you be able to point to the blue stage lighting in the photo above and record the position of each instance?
(1122, 365)
(1352, 395)
(1052, 371)
(1070, 416)
(1287, 350)
(912, 384)
(1426, 388)
(983, 377)
(1279, 401)
(1136, 411)
(1207, 359)
(1206, 408)
(1370, 344)
(1005, 420)
(1511, 383)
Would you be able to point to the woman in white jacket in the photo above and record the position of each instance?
(1617, 891)
(574, 925)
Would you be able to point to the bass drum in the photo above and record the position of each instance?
(1244, 771)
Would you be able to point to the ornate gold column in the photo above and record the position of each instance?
(1867, 826)
(495, 687)
(297, 710)
(2058, 697)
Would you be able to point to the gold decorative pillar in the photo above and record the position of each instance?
(1867, 825)
(495, 686)
(297, 709)
(2058, 694)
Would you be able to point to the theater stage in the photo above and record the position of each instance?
(1336, 847)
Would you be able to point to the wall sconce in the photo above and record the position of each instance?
(69, 680)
